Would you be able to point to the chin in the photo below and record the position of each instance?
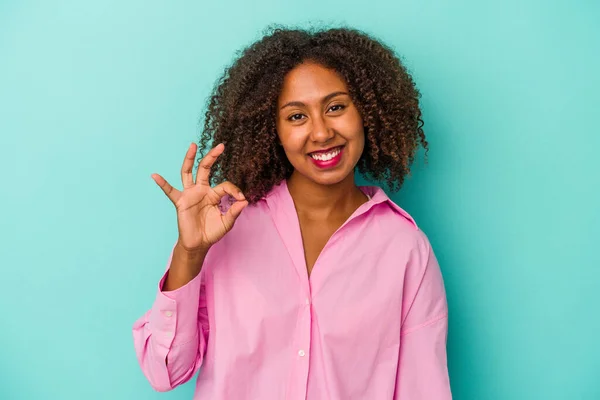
(328, 179)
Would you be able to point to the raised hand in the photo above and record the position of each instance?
(199, 219)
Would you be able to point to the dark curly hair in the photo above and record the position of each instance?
(242, 110)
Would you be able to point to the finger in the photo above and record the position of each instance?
(228, 188)
(233, 213)
(188, 164)
(172, 193)
(206, 164)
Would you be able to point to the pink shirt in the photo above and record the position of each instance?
(369, 323)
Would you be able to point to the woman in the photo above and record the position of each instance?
(288, 281)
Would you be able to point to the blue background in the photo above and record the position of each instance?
(97, 95)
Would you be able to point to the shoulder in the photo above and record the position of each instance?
(394, 223)
(385, 209)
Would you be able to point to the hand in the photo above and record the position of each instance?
(199, 219)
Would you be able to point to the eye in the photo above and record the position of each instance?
(295, 117)
(337, 107)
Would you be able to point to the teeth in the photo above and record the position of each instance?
(326, 156)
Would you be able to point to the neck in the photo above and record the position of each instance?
(319, 202)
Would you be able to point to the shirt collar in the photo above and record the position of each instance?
(377, 197)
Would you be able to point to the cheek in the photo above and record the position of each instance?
(353, 130)
(291, 139)
(359, 132)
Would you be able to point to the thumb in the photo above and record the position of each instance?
(233, 213)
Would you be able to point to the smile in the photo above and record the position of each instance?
(328, 158)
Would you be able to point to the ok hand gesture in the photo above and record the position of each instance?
(199, 218)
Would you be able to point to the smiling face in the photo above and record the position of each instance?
(318, 125)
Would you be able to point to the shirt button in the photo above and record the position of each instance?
(301, 353)
(169, 334)
(169, 313)
(307, 301)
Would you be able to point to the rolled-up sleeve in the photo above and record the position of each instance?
(422, 369)
(170, 338)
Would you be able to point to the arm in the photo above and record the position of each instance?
(422, 368)
(170, 339)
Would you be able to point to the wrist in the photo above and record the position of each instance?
(185, 266)
(192, 254)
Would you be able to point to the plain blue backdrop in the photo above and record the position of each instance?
(97, 95)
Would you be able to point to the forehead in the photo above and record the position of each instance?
(310, 82)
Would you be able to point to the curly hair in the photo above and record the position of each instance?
(242, 109)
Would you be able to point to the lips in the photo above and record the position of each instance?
(328, 158)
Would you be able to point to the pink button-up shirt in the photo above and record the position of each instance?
(369, 323)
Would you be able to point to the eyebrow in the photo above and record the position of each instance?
(301, 104)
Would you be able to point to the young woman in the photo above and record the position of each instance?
(288, 281)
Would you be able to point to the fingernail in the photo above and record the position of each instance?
(240, 194)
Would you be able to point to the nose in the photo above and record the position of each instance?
(321, 132)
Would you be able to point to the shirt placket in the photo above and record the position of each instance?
(287, 224)
(302, 346)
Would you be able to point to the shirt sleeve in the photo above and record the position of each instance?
(422, 370)
(170, 338)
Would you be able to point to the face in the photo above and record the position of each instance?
(318, 125)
